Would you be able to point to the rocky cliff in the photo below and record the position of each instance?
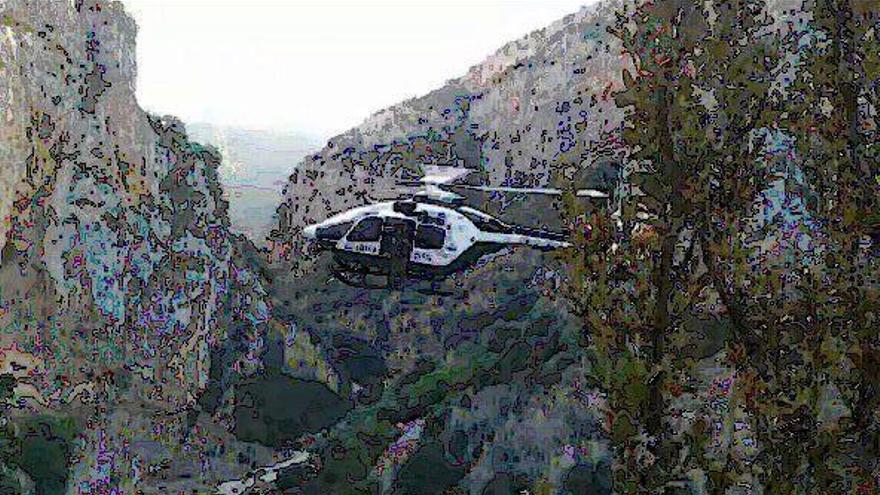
(118, 274)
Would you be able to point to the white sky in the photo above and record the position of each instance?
(318, 67)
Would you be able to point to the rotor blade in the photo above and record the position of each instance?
(410, 183)
(582, 193)
(437, 175)
(591, 193)
(441, 174)
(514, 190)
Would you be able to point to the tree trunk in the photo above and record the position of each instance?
(662, 271)
(662, 279)
(662, 276)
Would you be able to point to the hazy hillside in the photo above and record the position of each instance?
(255, 167)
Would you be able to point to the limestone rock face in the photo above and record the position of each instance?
(118, 273)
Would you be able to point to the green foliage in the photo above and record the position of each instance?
(7, 385)
(41, 447)
(9, 444)
(696, 103)
(278, 409)
(427, 471)
(588, 480)
(830, 114)
(504, 353)
(703, 98)
(615, 312)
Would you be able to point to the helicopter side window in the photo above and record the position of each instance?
(430, 237)
(367, 230)
(333, 232)
(425, 218)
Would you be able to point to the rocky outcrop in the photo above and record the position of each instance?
(118, 273)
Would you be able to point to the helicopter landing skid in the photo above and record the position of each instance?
(349, 275)
(358, 277)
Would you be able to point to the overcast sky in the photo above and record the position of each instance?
(319, 67)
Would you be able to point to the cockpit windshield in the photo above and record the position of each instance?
(333, 232)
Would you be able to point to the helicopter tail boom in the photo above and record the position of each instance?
(537, 239)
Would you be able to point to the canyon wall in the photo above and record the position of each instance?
(119, 274)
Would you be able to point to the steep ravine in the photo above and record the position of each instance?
(151, 349)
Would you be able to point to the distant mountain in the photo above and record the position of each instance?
(256, 165)
(255, 157)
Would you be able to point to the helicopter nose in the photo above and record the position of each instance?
(310, 232)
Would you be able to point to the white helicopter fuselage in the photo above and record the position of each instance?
(443, 234)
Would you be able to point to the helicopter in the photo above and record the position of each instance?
(441, 235)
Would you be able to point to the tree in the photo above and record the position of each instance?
(610, 291)
(697, 103)
(9, 445)
(833, 117)
(662, 38)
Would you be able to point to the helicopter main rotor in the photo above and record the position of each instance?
(442, 184)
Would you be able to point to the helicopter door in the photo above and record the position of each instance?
(364, 237)
(397, 236)
(429, 243)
